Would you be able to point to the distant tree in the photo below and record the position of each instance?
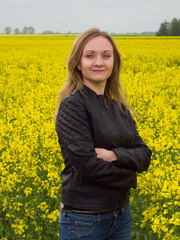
(147, 33)
(164, 29)
(7, 30)
(17, 31)
(28, 30)
(174, 29)
(169, 29)
(48, 32)
(31, 30)
(179, 26)
(25, 30)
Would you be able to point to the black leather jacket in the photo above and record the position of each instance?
(86, 121)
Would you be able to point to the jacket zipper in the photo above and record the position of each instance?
(107, 110)
(105, 104)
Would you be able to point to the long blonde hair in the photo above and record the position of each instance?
(74, 80)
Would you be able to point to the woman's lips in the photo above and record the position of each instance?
(98, 70)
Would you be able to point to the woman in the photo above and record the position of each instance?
(99, 142)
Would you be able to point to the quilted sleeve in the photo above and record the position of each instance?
(137, 157)
(74, 133)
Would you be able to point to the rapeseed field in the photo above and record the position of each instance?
(32, 71)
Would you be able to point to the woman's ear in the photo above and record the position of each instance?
(79, 67)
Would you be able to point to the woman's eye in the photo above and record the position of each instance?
(89, 56)
(106, 56)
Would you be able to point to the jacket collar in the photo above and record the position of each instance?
(101, 97)
(89, 92)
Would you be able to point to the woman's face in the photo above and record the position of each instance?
(97, 61)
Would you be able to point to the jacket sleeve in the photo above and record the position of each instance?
(74, 133)
(138, 157)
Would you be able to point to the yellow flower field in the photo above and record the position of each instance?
(32, 71)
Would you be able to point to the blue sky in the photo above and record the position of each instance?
(120, 16)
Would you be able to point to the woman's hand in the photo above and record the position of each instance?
(106, 155)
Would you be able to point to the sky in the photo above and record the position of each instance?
(113, 16)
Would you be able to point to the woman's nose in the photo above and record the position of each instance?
(99, 61)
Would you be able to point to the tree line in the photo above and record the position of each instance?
(29, 30)
(169, 28)
(166, 29)
(25, 30)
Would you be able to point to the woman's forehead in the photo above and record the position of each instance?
(98, 43)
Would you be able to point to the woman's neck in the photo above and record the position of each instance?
(98, 88)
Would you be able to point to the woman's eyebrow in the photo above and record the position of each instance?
(89, 51)
(108, 51)
(95, 51)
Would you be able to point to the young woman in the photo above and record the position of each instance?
(101, 147)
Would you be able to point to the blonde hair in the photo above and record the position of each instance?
(74, 80)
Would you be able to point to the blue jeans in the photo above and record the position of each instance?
(115, 225)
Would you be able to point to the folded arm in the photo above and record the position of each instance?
(72, 126)
(138, 157)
